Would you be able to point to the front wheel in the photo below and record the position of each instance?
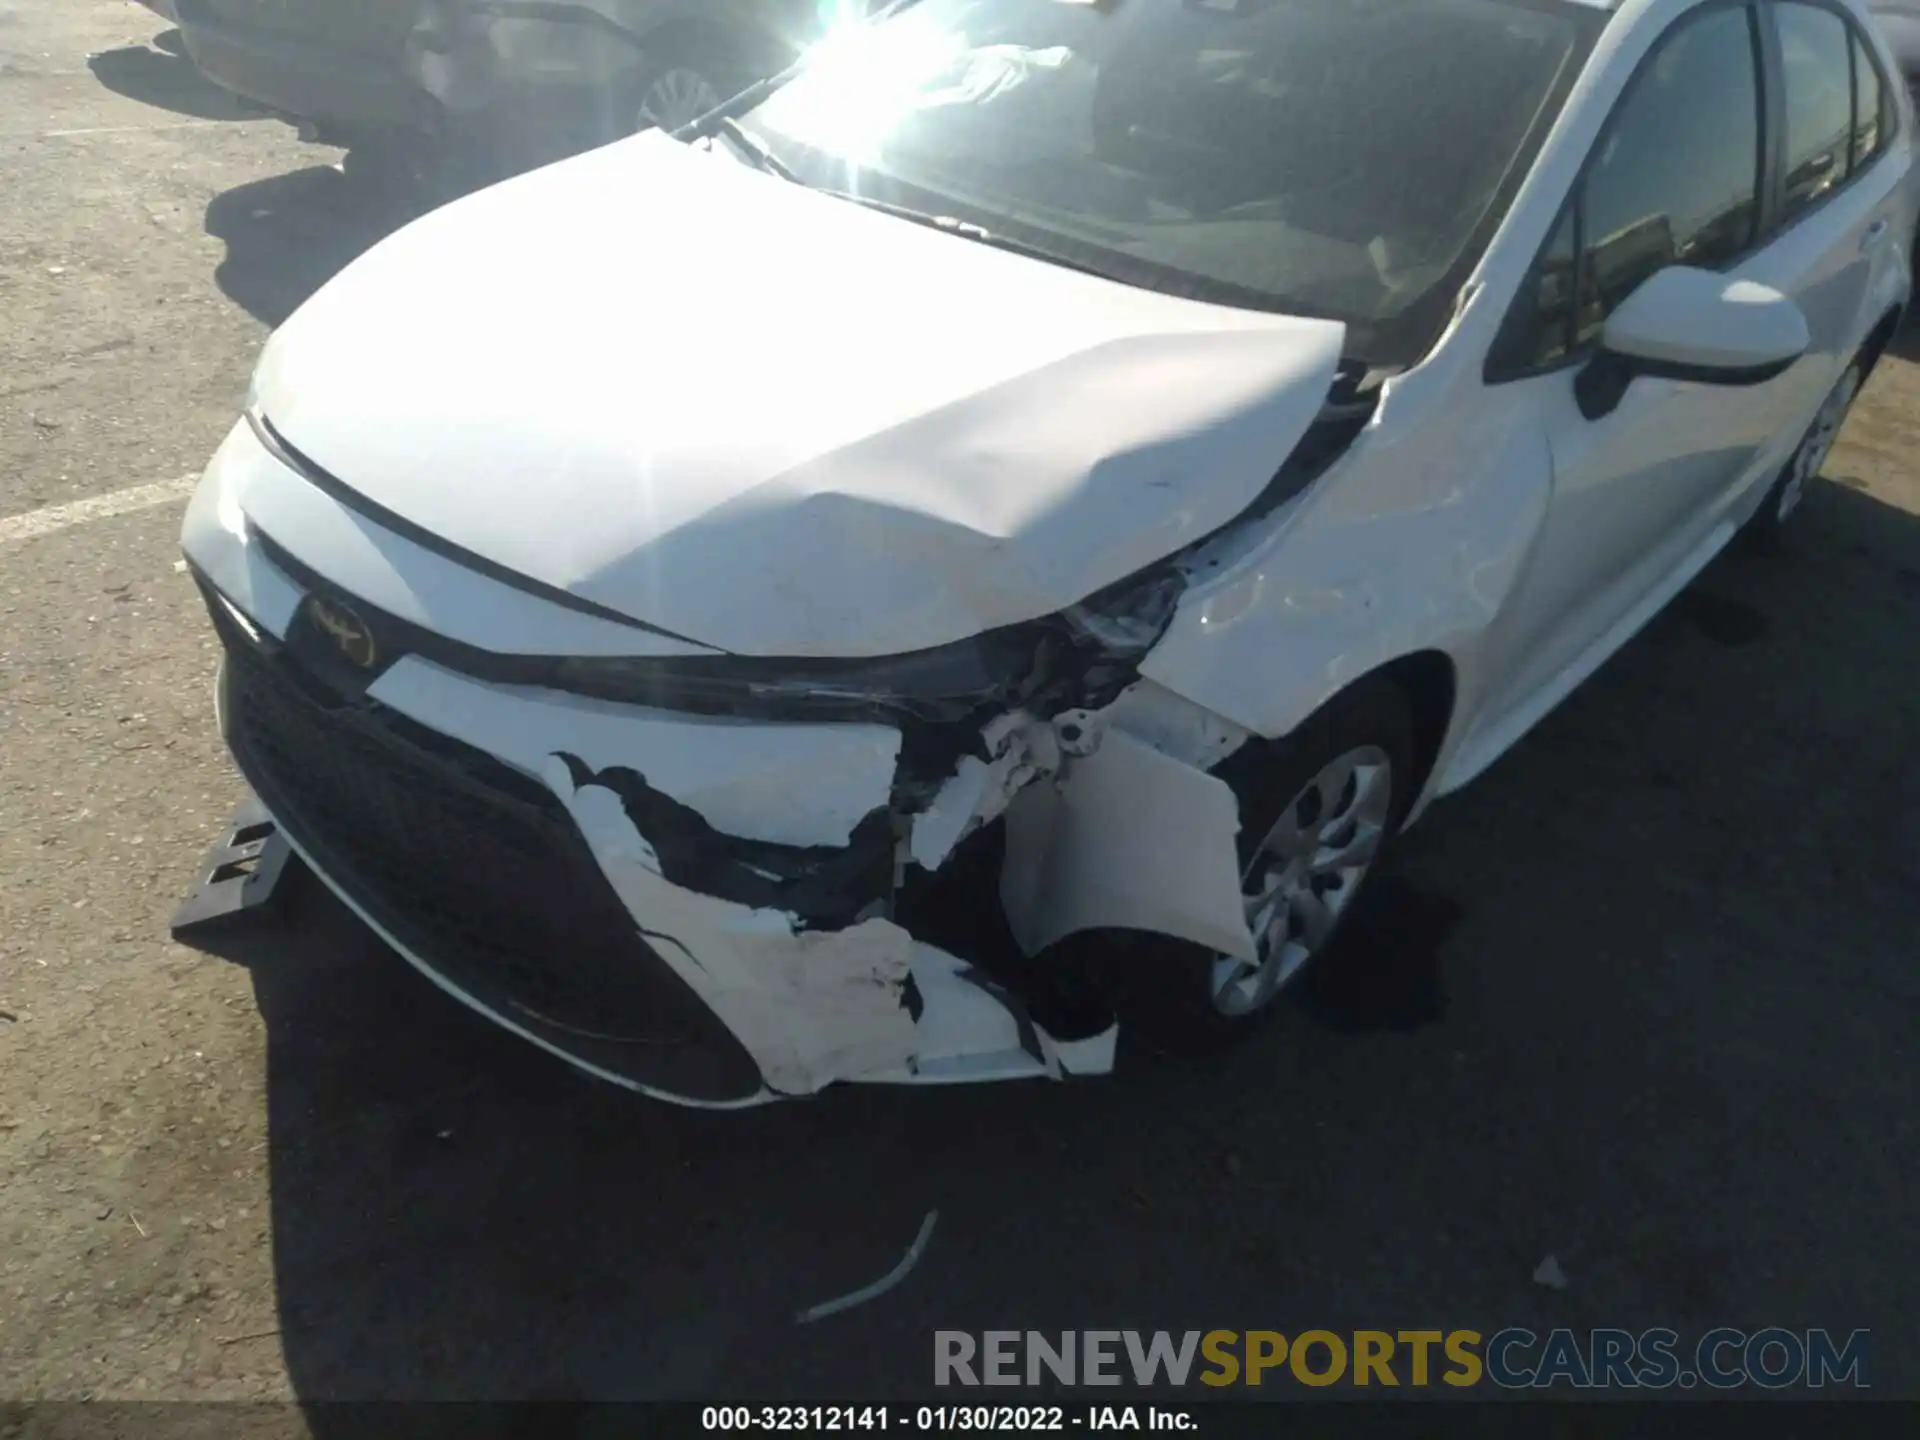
(1790, 486)
(688, 77)
(1318, 811)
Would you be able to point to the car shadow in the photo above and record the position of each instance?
(1638, 999)
(289, 234)
(161, 74)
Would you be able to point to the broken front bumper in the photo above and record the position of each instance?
(697, 908)
(543, 906)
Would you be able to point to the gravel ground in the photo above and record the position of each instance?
(1645, 1001)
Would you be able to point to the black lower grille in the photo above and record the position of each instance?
(475, 869)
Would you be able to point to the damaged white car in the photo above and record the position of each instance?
(1116, 461)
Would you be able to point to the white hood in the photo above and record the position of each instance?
(775, 422)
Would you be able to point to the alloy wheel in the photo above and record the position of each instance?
(1812, 455)
(675, 97)
(1305, 874)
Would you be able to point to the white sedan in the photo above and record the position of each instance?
(1114, 463)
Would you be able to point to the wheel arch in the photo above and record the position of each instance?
(1428, 681)
(1879, 338)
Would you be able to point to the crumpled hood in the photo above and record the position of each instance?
(775, 422)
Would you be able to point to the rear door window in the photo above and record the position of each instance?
(1816, 54)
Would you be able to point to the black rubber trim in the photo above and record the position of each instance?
(1600, 386)
(334, 488)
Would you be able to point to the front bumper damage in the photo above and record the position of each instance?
(701, 908)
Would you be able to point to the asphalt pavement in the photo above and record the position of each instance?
(1643, 999)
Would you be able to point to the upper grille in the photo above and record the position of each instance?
(475, 869)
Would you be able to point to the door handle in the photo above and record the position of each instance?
(1876, 232)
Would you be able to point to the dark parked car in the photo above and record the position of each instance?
(533, 76)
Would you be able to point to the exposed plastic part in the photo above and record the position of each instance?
(865, 1002)
(1126, 838)
(240, 877)
(1020, 749)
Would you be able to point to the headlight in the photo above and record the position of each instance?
(1082, 656)
(933, 684)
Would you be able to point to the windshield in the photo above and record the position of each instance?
(1339, 158)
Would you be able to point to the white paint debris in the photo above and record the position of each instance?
(1023, 750)
(954, 811)
(879, 1287)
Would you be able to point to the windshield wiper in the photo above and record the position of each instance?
(753, 150)
(967, 230)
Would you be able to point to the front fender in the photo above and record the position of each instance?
(1412, 542)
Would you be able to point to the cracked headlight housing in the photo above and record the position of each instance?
(1080, 657)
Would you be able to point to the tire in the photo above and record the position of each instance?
(689, 75)
(1783, 498)
(1174, 997)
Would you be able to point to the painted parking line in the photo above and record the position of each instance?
(32, 524)
(134, 129)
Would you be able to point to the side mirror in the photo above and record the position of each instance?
(1689, 324)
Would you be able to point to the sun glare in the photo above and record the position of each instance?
(862, 80)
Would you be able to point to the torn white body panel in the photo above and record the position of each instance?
(811, 1007)
(971, 1029)
(784, 784)
(1054, 432)
(1126, 839)
(815, 1007)
(1022, 749)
